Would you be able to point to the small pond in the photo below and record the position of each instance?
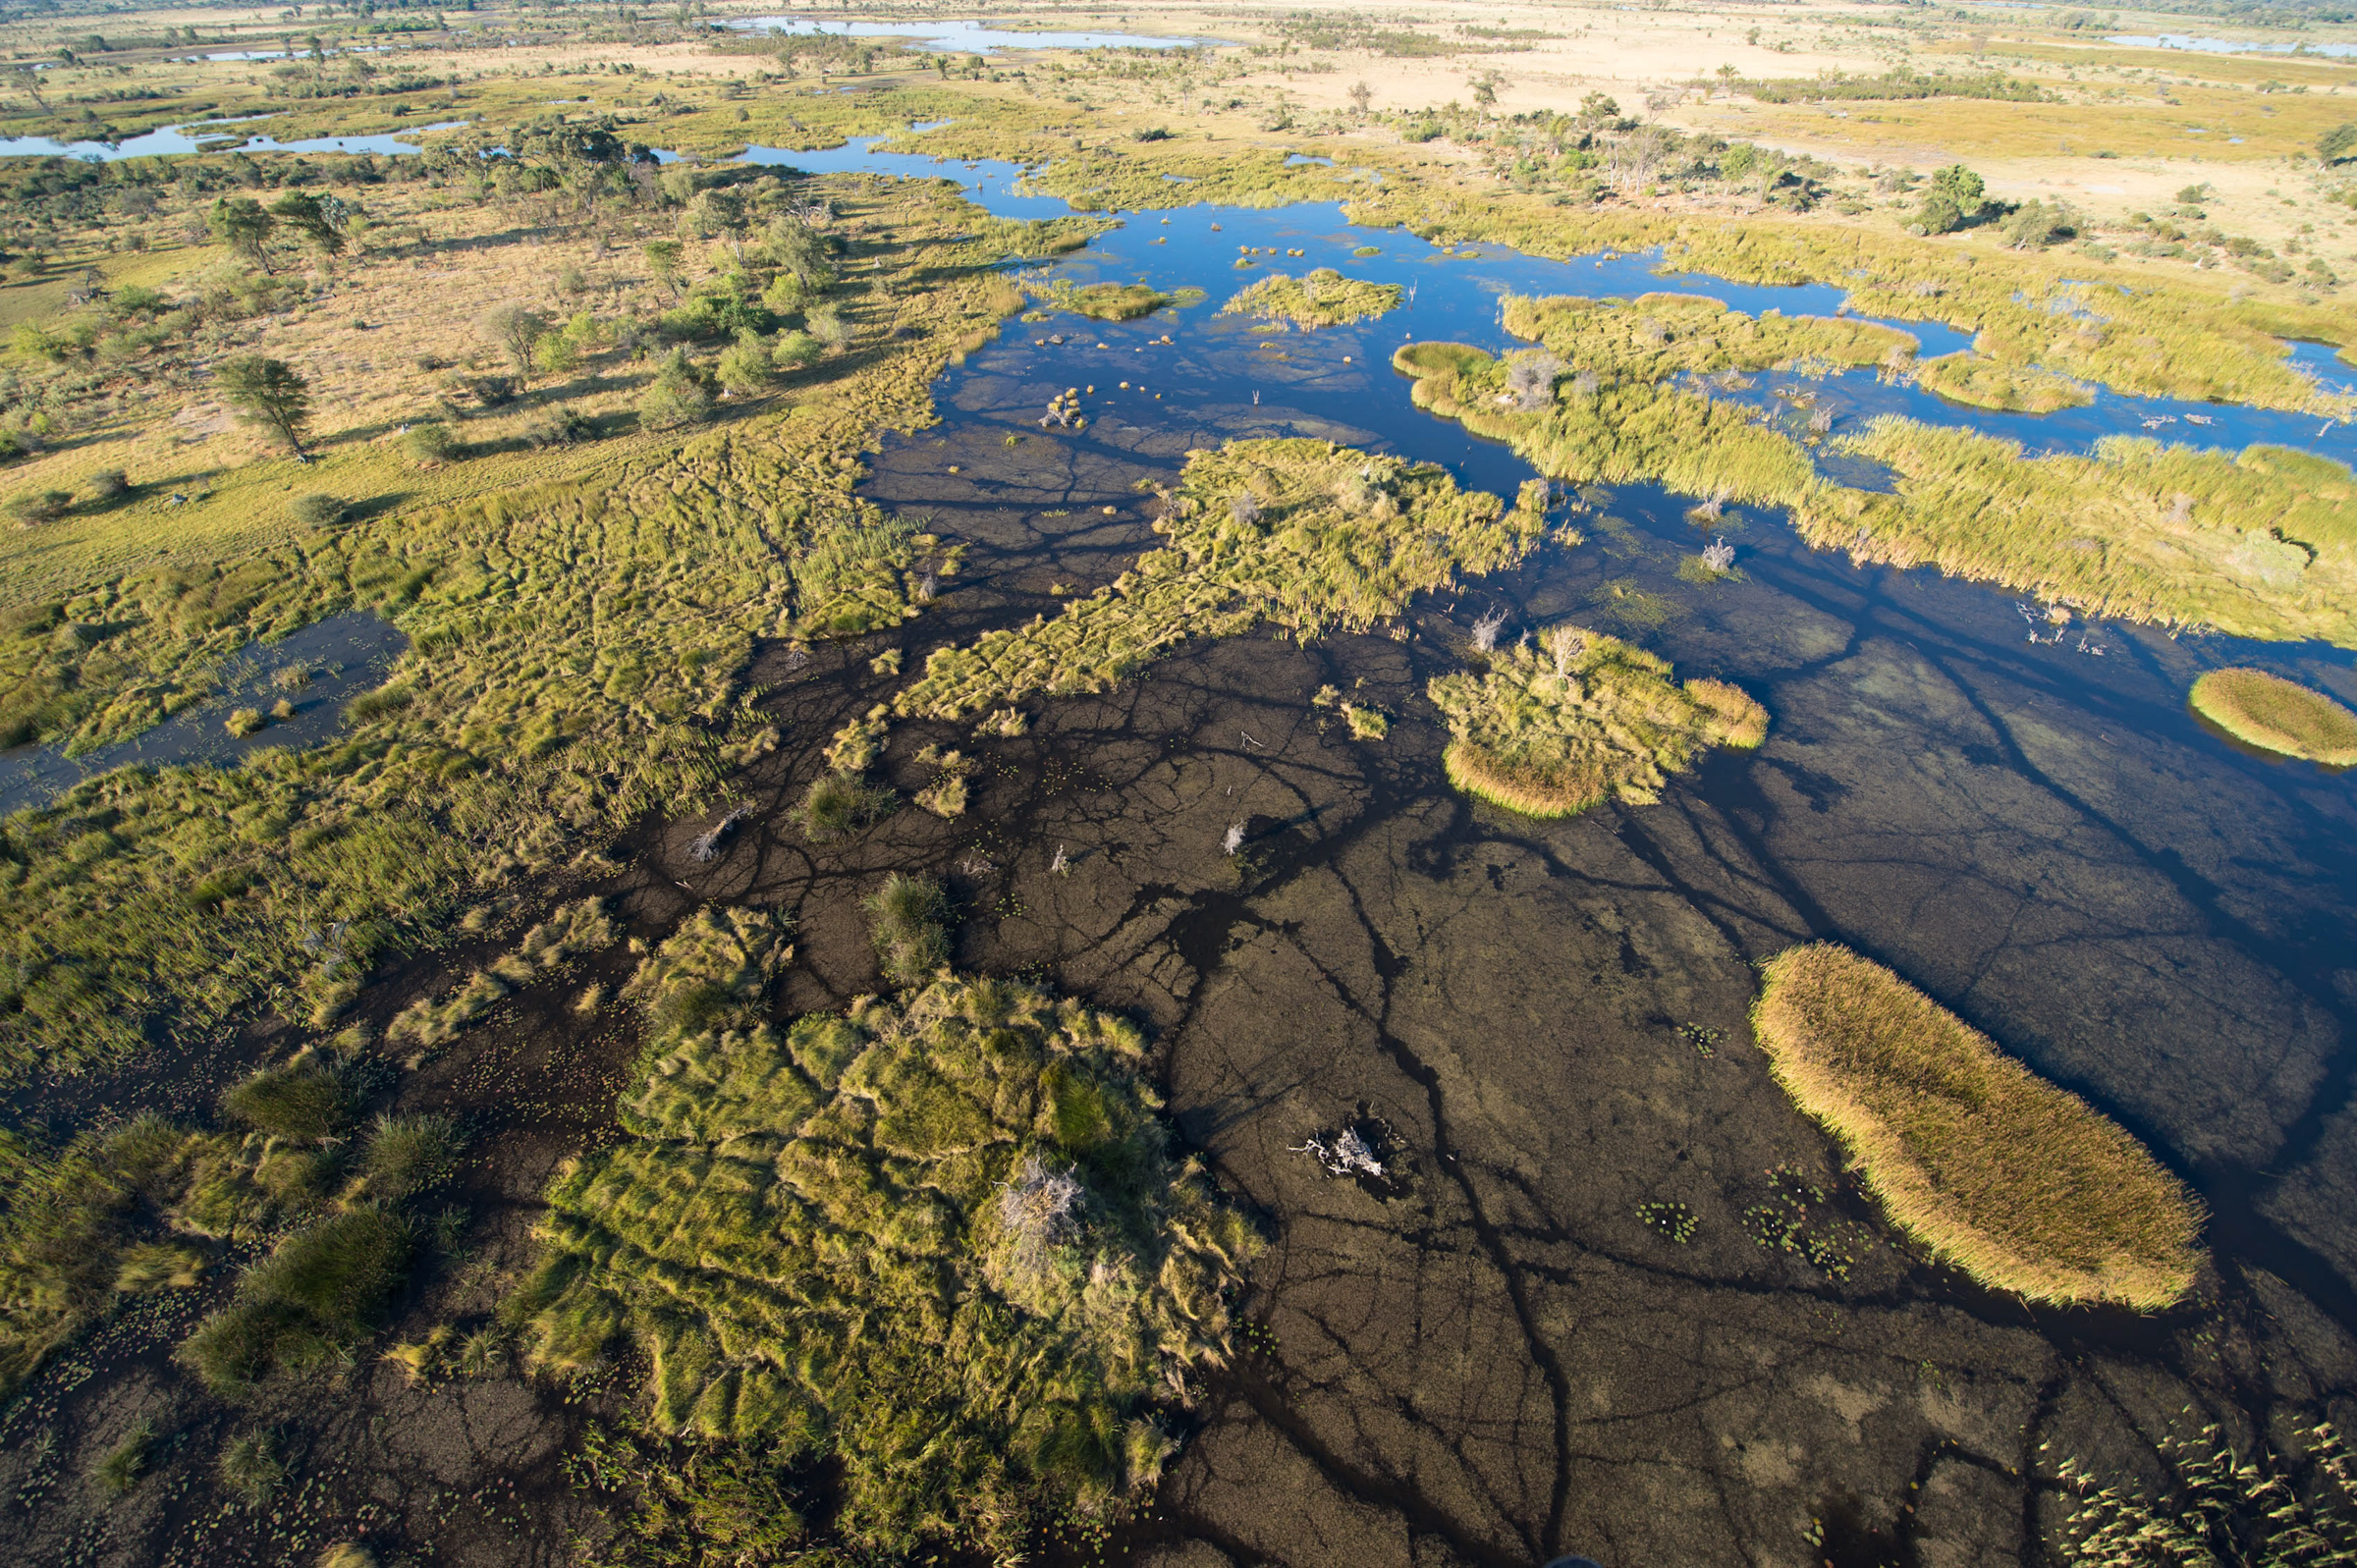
(315, 669)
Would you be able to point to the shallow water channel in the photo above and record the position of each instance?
(1543, 1023)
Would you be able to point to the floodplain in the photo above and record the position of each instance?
(867, 789)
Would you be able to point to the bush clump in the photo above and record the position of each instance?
(429, 444)
(317, 510)
(910, 931)
(838, 805)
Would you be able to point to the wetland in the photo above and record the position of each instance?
(1141, 890)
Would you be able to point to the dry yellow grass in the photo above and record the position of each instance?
(2021, 1184)
(2278, 714)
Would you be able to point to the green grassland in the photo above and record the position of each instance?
(2263, 544)
(1551, 731)
(938, 1240)
(576, 660)
(2019, 1183)
(1303, 534)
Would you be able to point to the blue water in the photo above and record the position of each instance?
(967, 36)
(176, 140)
(1456, 295)
(2180, 40)
(344, 656)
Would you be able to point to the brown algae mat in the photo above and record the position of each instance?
(2021, 1184)
(2278, 714)
(1553, 731)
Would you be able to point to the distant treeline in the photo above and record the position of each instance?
(1898, 84)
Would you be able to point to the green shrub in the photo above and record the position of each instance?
(305, 1102)
(668, 405)
(243, 722)
(107, 485)
(839, 805)
(317, 510)
(429, 444)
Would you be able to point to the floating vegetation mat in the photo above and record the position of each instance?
(2278, 714)
(1553, 732)
(1324, 299)
(2019, 1183)
(1305, 533)
(940, 1240)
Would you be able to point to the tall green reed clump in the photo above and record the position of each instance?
(940, 1241)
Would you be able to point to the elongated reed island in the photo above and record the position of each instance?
(2021, 1184)
(1551, 732)
(2278, 714)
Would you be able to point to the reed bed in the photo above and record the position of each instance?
(2170, 338)
(1307, 534)
(940, 1240)
(2019, 1183)
(1324, 299)
(1553, 731)
(2258, 544)
(2277, 715)
(1984, 383)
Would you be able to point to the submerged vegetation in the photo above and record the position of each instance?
(1308, 534)
(2020, 1184)
(1324, 299)
(1552, 733)
(2277, 715)
(940, 1242)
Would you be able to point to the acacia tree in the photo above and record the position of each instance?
(318, 219)
(1360, 96)
(242, 224)
(517, 332)
(269, 394)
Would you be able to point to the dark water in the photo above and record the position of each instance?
(1503, 1362)
(337, 659)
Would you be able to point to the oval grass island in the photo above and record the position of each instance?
(2278, 714)
(2021, 1184)
(1551, 732)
